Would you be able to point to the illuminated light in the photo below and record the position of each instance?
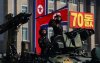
(68, 60)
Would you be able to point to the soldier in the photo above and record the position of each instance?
(58, 32)
(56, 24)
(44, 42)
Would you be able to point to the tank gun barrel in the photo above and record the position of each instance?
(84, 33)
(15, 21)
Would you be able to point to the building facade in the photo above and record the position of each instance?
(97, 22)
(3, 37)
(25, 31)
(15, 7)
(58, 3)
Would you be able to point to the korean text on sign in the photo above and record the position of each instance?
(81, 20)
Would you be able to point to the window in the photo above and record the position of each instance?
(24, 34)
(81, 1)
(50, 10)
(92, 2)
(63, 1)
(50, 32)
(51, 0)
(24, 8)
(73, 1)
(64, 28)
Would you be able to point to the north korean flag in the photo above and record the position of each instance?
(40, 7)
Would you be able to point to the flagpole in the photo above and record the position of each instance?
(78, 5)
(67, 4)
(46, 7)
(55, 5)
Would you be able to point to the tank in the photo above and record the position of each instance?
(67, 47)
(72, 53)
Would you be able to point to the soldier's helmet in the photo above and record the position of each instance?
(43, 32)
(58, 19)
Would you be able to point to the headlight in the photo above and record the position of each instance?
(68, 60)
(79, 62)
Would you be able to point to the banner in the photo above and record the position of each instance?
(40, 7)
(44, 20)
(81, 20)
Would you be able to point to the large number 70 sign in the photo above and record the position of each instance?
(81, 20)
